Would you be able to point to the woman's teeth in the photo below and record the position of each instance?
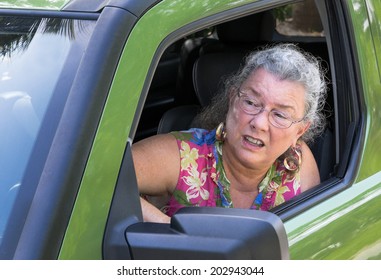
(254, 141)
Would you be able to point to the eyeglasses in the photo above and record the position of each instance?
(254, 107)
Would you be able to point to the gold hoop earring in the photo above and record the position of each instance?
(220, 132)
(293, 161)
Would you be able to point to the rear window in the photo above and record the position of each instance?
(38, 59)
(299, 19)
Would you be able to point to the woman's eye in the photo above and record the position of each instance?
(248, 102)
(252, 103)
(280, 115)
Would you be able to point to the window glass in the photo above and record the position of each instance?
(299, 19)
(35, 54)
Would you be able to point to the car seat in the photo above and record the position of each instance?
(205, 61)
(243, 34)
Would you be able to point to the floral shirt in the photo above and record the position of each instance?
(203, 182)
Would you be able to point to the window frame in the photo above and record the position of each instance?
(348, 139)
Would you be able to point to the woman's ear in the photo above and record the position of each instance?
(302, 129)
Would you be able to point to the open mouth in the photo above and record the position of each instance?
(254, 141)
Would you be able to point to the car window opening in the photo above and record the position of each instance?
(190, 71)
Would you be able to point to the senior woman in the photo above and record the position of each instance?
(253, 152)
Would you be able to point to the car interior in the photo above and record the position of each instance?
(191, 70)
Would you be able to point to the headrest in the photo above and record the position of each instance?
(209, 72)
(249, 29)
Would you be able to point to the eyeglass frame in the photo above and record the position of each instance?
(262, 109)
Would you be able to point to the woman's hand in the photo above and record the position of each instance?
(153, 214)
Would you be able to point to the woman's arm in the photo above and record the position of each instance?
(157, 167)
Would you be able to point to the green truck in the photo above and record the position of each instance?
(81, 81)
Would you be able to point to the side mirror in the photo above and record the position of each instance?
(211, 233)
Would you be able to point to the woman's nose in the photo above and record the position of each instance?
(260, 121)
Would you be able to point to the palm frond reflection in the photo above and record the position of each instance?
(16, 34)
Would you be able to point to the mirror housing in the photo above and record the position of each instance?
(211, 233)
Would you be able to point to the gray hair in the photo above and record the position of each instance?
(287, 62)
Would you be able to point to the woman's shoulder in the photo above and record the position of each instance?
(197, 136)
(309, 171)
(306, 173)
